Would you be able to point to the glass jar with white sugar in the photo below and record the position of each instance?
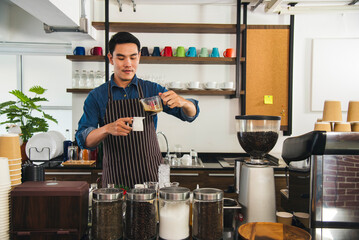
(174, 209)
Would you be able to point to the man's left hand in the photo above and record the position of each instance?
(172, 100)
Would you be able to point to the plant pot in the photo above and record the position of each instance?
(24, 157)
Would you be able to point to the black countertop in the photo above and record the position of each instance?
(211, 161)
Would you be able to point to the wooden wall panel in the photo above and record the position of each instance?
(267, 72)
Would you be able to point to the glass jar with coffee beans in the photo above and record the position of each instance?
(140, 215)
(107, 214)
(207, 214)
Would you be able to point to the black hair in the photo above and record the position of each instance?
(123, 37)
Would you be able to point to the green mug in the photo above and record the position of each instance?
(180, 52)
(204, 52)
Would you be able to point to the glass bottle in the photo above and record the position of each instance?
(66, 144)
(207, 212)
(98, 78)
(83, 79)
(174, 209)
(164, 173)
(107, 213)
(90, 83)
(76, 79)
(140, 217)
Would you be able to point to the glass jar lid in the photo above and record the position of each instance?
(174, 193)
(208, 194)
(141, 194)
(107, 194)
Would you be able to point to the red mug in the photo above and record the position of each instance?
(97, 51)
(229, 53)
(167, 52)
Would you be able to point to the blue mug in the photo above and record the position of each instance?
(192, 52)
(156, 52)
(79, 51)
(215, 52)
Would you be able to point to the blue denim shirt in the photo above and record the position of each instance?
(96, 103)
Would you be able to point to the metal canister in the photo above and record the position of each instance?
(107, 214)
(174, 209)
(140, 216)
(207, 214)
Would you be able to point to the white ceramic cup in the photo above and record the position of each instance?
(211, 85)
(193, 85)
(227, 85)
(137, 123)
(175, 84)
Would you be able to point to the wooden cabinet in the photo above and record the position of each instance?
(70, 175)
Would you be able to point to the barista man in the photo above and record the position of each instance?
(129, 157)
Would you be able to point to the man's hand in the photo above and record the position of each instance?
(172, 100)
(120, 127)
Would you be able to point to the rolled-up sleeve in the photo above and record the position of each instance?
(89, 121)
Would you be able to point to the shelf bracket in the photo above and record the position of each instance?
(256, 5)
(119, 5)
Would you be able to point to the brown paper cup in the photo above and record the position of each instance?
(322, 126)
(15, 177)
(10, 146)
(342, 127)
(303, 218)
(14, 166)
(16, 182)
(14, 161)
(15, 172)
(353, 111)
(332, 111)
(284, 217)
(355, 127)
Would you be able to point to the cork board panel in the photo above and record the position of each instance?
(267, 72)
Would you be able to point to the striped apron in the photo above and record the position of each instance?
(131, 159)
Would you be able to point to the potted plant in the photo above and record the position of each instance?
(20, 113)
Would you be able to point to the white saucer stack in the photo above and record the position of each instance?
(10, 149)
(5, 188)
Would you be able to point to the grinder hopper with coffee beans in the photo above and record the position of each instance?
(255, 177)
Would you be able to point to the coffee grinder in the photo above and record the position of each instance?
(254, 177)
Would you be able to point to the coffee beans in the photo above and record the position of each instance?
(140, 220)
(257, 144)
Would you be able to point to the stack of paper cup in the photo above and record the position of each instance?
(5, 188)
(10, 149)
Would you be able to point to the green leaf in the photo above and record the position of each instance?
(47, 116)
(37, 89)
(20, 95)
(39, 99)
(5, 104)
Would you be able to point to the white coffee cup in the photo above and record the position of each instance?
(227, 85)
(175, 85)
(137, 123)
(193, 85)
(211, 85)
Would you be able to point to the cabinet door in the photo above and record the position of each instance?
(60, 175)
(188, 179)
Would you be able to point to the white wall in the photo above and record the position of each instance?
(214, 130)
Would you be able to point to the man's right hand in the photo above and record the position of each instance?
(120, 127)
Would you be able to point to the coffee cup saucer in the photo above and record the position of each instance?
(194, 88)
(211, 88)
(224, 88)
(175, 88)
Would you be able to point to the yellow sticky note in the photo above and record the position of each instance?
(268, 99)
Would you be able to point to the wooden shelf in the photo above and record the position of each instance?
(168, 27)
(184, 92)
(161, 60)
(85, 58)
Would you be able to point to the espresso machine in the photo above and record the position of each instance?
(255, 177)
(323, 180)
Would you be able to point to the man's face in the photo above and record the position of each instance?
(125, 59)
